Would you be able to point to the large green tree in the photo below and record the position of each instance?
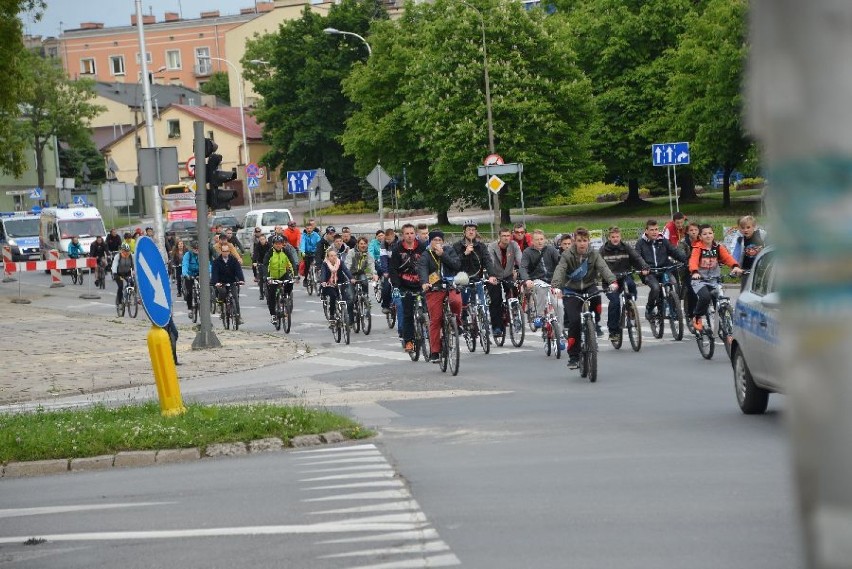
(218, 85)
(421, 101)
(303, 110)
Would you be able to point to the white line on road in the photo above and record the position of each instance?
(373, 467)
(425, 533)
(428, 547)
(388, 507)
(345, 459)
(401, 494)
(352, 476)
(447, 560)
(375, 484)
(340, 456)
(47, 510)
(336, 449)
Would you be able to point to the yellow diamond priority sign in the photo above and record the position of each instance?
(495, 184)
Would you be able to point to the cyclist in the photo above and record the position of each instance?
(675, 230)
(277, 265)
(326, 242)
(423, 233)
(75, 248)
(375, 249)
(176, 261)
(537, 265)
(475, 261)
(334, 272)
(292, 234)
(113, 241)
(339, 245)
(436, 264)
(620, 258)
(521, 237)
(308, 245)
(402, 268)
(189, 271)
(707, 253)
(98, 251)
(563, 242)
(749, 244)
(122, 269)
(361, 265)
(655, 251)
(506, 260)
(579, 270)
(388, 244)
(232, 239)
(261, 249)
(227, 270)
(348, 239)
(685, 247)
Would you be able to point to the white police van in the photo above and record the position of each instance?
(19, 230)
(57, 225)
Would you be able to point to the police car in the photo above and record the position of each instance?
(20, 232)
(755, 339)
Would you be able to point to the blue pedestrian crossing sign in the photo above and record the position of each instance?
(253, 183)
(298, 181)
(80, 200)
(152, 278)
(670, 154)
(36, 194)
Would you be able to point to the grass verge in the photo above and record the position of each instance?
(103, 430)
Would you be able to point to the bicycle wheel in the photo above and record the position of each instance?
(468, 332)
(516, 324)
(726, 322)
(377, 291)
(213, 304)
(235, 316)
(226, 315)
(591, 352)
(192, 313)
(584, 363)
(391, 316)
(418, 337)
(336, 329)
(101, 277)
(706, 339)
(74, 276)
(345, 324)
(356, 324)
(288, 313)
(366, 317)
(280, 310)
(484, 327)
(451, 332)
(119, 308)
(633, 324)
(132, 304)
(326, 308)
(656, 320)
(675, 315)
(546, 335)
(425, 344)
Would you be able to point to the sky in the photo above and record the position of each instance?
(69, 14)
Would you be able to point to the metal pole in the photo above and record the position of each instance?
(381, 203)
(521, 184)
(677, 201)
(669, 179)
(206, 337)
(149, 128)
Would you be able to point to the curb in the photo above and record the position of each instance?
(132, 459)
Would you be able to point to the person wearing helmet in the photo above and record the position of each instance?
(122, 270)
(278, 266)
(189, 271)
(437, 264)
(475, 261)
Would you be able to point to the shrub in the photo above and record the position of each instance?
(585, 194)
(347, 208)
(750, 184)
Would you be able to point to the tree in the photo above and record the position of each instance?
(705, 87)
(54, 107)
(303, 110)
(218, 85)
(73, 158)
(421, 101)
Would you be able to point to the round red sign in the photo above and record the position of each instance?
(493, 159)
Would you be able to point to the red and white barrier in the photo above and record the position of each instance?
(7, 263)
(55, 274)
(53, 265)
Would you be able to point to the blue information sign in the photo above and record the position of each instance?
(670, 154)
(299, 180)
(153, 281)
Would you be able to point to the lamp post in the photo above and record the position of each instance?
(336, 32)
(242, 117)
(491, 149)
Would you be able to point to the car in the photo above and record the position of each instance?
(755, 340)
(184, 229)
(225, 221)
(263, 219)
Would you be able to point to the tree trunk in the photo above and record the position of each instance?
(505, 217)
(633, 192)
(443, 218)
(39, 159)
(726, 187)
(687, 187)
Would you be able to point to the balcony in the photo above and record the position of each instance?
(204, 69)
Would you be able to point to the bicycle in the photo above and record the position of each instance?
(628, 317)
(529, 308)
(196, 299)
(449, 356)
(312, 278)
(421, 328)
(476, 322)
(588, 335)
(513, 317)
(228, 311)
(77, 274)
(390, 316)
(339, 323)
(363, 318)
(130, 299)
(718, 322)
(551, 324)
(669, 306)
(283, 304)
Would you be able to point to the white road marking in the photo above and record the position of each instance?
(427, 547)
(362, 351)
(340, 456)
(336, 449)
(400, 494)
(47, 510)
(388, 507)
(426, 533)
(353, 476)
(447, 560)
(346, 459)
(375, 484)
(374, 467)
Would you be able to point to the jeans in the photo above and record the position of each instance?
(271, 290)
(330, 292)
(405, 317)
(221, 291)
(614, 310)
(573, 305)
(654, 292)
(496, 306)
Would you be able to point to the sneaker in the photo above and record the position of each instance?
(599, 331)
(561, 345)
(573, 361)
(274, 320)
(614, 336)
(435, 358)
(698, 324)
(409, 346)
(649, 315)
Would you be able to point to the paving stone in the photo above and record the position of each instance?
(171, 455)
(35, 468)
(135, 458)
(332, 437)
(270, 444)
(226, 449)
(102, 462)
(306, 441)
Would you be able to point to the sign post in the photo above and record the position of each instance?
(378, 178)
(152, 279)
(672, 154)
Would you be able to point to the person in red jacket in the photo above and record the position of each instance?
(293, 235)
(521, 237)
(704, 266)
(675, 230)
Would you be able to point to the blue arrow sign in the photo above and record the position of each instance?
(299, 180)
(253, 183)
(670, 154)
(152, 278)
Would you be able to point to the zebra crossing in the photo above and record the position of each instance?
(355, 487)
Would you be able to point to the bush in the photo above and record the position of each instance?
(347, 208)
(585, 194)
(750, 184)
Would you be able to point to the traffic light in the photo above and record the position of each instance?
(216, 197)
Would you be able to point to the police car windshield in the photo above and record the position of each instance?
(275, 218)
(27, 227)
(82, 227)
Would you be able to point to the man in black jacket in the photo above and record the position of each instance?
(538, 262)
(402, 269)
(436, 264)
(227, 270)
(475, 260)
(655, 251)
(620, 258)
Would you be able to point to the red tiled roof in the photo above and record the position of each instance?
(227, 118)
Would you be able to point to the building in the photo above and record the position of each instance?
(15, 192)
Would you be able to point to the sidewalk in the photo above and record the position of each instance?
(48, 353)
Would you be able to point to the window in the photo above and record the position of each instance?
(762, 275)
(174, 129)
(173, 59)
(116, 64)
(148, 58)
(87, 66)
(203, 62)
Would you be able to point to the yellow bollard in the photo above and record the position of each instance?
(165, 373)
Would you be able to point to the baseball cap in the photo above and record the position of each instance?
(330, 229)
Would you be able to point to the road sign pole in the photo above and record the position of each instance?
(677, 201)
(521, 187)
(206, 337)
(669, 179)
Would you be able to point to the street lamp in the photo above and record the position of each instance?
(491, 149)
(336, 32)
(242, 117)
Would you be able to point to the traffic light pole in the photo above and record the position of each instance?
(206, 337)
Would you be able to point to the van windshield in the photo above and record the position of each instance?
(275, 218)
(68, 228)
(22, 227)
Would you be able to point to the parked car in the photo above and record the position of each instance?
(266, 220)
(225, 221)
(754, 347)
(185, 229)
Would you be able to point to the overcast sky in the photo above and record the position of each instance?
(71, 13)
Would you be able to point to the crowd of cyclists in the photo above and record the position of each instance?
(419, 265)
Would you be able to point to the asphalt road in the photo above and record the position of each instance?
(516, 462)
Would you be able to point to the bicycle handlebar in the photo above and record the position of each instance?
(581, 295)
(667, 268)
